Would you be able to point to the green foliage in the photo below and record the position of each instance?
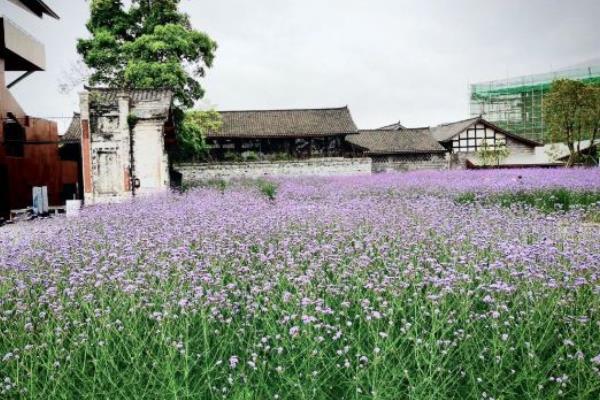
(232, 156)
(132, 120)
(191, 129)
(251, 156)
(148, 45)
(546, 200)
(422, 354)
(571, 110)
(466, 198)
(592, 120)
(492, 155)
(268, 188)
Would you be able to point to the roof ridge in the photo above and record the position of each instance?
(459, 121)
(108, 89)
(389, 131)
(287, 109)
(376, 130)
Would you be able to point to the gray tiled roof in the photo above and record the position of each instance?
(285, 123)
(73, 133)
(393, 127)
(106, 95)
(445, 132)
(145, 103)
(416, 140)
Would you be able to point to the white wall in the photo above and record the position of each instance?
(311, 167)
(150, 158)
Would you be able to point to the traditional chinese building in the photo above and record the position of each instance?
(282, 134)
(400, 150)
(463, 140)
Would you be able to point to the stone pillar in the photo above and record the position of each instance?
(86, 147)
(126, 141)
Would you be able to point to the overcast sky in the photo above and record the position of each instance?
(388, 60)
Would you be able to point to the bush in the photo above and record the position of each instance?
(250, 156)
(232, 156)
(267, 188)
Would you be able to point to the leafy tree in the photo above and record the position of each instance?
(151, 45)
(492, 155)
(570, 109)
(191, 129)
(148, 45)
(592, 117)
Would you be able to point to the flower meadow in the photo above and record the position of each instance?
(368, 287)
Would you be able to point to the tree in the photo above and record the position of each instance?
(570, 110)
(191, 129)
(492, 155)
(592, 118)
(148, 45)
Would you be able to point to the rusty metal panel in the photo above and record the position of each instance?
(40, 165)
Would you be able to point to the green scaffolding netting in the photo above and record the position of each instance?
(516, 104)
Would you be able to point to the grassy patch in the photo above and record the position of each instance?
(545, 200)
(268, 188)
(592, 217)
(466, 198)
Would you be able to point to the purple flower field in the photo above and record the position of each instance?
(374, 287)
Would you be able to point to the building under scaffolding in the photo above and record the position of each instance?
(515, 104)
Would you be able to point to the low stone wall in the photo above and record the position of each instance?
(409, 163)
(314, 166)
